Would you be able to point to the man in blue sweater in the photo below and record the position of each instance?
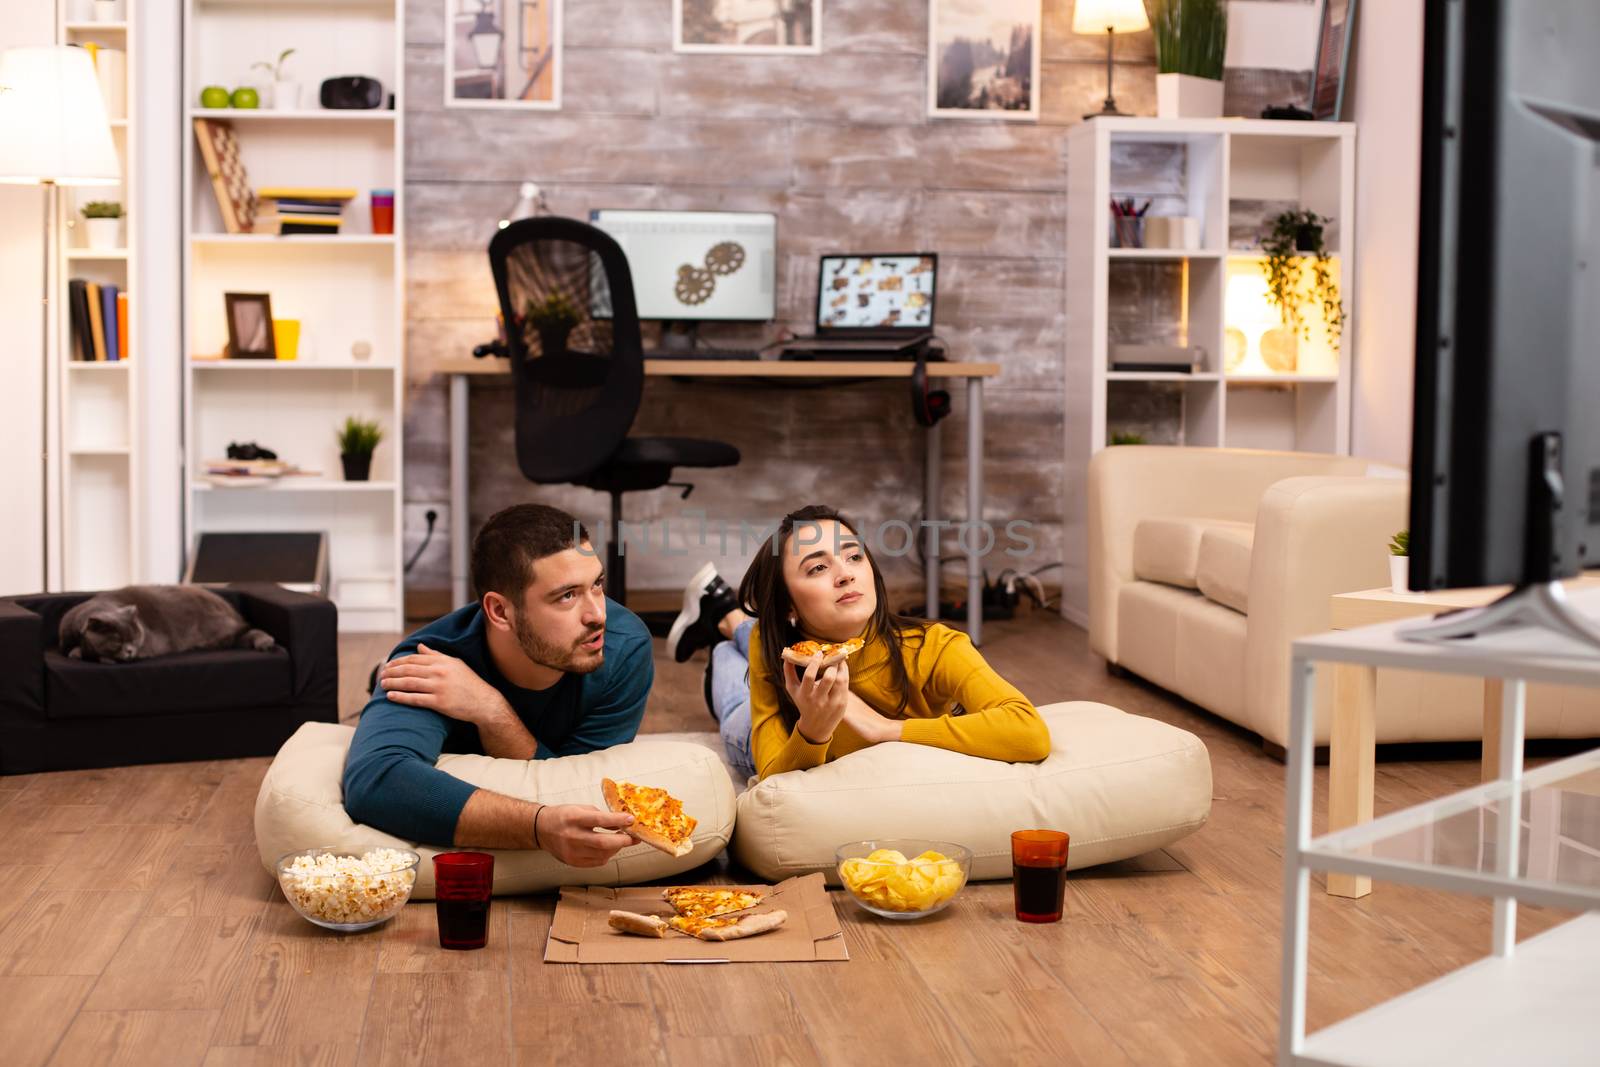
(544, 666)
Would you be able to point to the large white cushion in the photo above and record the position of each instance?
(1223, 570)
(1118, 783)
(301, 805)
(1166, 549)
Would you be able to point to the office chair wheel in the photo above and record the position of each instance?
(694, 285)
(725, 258)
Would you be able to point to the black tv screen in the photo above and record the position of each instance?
(1505, 454)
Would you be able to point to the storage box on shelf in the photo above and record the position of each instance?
(1227, 178)
(345, 289)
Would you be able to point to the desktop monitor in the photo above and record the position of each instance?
(698, 266)
(1505, 483)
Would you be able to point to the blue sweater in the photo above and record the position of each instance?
(390, 781)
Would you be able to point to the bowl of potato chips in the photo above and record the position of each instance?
(903, 878)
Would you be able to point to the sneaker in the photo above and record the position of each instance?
(706, 599)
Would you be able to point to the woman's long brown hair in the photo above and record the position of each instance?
(764, 594)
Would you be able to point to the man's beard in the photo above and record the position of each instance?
(554, 656)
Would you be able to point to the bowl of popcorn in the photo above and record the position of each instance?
(884, 881)
(339, 889)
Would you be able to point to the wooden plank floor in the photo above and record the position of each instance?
(137, 926)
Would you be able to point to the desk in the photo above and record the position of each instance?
(1351, 750)
(462, 370)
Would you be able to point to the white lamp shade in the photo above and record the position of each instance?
(1118, 16)
(53, 125)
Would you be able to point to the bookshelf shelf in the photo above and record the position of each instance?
(96, 497)
(1160, 254)
(271, 115)
(345, 290)
(1159, 376)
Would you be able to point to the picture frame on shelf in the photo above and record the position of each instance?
(503, 54)
(747, 27)
(983, 59)
(250, 326)
(1336, 27)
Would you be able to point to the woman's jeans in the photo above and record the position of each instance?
(730, 695)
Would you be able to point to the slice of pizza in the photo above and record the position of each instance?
(658, 816)
(707, 902)
(728, 927)
(832, 651)
(629, 922)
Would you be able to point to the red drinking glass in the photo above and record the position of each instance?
(463, 883)
(1039, 874)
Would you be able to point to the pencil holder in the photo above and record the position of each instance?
(1127, 231)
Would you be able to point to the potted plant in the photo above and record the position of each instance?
(102, 220)
(1127, 438)
(1191, 39)
(358, 439)
(1400, 562)
(553, 319)
(1295, 237)
(285, 93)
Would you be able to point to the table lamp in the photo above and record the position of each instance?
(1110, 17)
(53, 131)
(1247, 308)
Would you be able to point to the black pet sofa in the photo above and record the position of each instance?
(58, 713)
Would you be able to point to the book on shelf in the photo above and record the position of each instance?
(108, 315)
(97, 330)
(297, 223)
(279, 205)
(82, 332)
(122, 324)
(306, 192)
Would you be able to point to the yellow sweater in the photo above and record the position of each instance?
(945, 670)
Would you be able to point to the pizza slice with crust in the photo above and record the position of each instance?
(728, 927)
(658, 817)
(832, 651)
(708, 902)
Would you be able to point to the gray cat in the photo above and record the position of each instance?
(144, 621)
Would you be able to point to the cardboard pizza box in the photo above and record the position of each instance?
(579, 932)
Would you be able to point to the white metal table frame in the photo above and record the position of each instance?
(1516, 662)
(460, 373)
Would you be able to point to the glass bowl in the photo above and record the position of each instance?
(340, 897)
(903, 886)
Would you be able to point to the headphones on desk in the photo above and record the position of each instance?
(928, 406)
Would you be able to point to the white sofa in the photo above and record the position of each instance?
(1205, 564)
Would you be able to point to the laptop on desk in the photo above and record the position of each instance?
(871, 306)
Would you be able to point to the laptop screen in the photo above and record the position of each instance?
(876, 292)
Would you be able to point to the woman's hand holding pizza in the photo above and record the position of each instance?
(821, 695)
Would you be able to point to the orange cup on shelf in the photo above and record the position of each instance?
(286, 337)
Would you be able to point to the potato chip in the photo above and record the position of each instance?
(886, 855)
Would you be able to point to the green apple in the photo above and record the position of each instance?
(244, 96)
(213, 96)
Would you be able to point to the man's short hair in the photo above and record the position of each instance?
(513, 540)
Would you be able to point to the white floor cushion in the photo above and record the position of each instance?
(301, 806)
(1120, 784)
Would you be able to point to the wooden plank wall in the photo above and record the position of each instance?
(838, 145)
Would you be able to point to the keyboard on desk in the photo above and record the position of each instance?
(702, 353)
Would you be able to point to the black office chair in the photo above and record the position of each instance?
(577, 361)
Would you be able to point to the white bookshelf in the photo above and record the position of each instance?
(95, 430)
(345, 289)
(1216, 171)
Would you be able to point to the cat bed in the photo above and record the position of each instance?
(1119, 784)
(59, 713)
(301, 806)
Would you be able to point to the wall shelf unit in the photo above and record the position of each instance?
(1256, 384)
(96, 494)
(345, 289)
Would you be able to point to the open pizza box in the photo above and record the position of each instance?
(579, 932)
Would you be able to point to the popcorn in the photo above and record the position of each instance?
(347, 889)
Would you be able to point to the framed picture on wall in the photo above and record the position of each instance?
(983, 59)
(503, 53)
(747, 27)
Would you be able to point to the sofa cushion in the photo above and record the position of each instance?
(1223, 570)
(190, 681)
(1167, 549)
(1118, 783)
(301, 805)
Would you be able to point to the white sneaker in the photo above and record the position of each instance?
(706, 599)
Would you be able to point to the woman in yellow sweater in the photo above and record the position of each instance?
(913, 681)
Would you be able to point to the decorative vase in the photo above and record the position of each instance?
(357, 466)
(1184, 96)
(285, 96)
(1399, 574)
(103, 234)
(106, 10)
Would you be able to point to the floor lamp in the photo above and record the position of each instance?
(53, 132)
